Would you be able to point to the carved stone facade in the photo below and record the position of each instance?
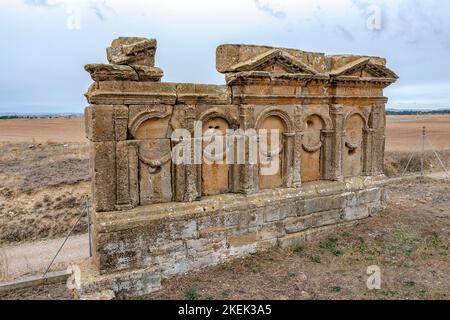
(154, 218)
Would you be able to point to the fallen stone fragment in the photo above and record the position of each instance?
(110, 72)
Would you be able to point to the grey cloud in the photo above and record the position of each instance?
(41, 3)
(347, 34)
(266, 8)
(100, 8)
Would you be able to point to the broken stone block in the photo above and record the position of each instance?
(132, 50)
(111, 72)
(146, 73)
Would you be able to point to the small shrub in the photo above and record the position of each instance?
(331, 245)
(191, 294)
(335, 289)
(227, 267)
(299, 249)
(226, 293)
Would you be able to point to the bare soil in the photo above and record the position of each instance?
(409, 240)
(403, 133)
(42, 130)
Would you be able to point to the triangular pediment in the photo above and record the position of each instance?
(364, 68)
(274, 61)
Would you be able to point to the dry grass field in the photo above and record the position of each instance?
(44, 174)
(403, 133)
(42, 130)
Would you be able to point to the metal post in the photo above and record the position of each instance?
(423, 151)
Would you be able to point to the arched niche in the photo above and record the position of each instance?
(272, 158)
(312, 148)
(215, 171)
(155, 162)
(354, 126)
(152, 128)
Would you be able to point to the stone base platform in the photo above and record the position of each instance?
(136, 248)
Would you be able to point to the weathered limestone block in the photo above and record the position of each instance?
(146, 73)
(191, 93)
(229, 56)
(99, 122)
(296, 224)
(110, 72)
(123, 174)
(89, 282)
(113, 72)
(328, 217)
(132, 50)
(155, 171)
(132, 93)
(103, 177)
(356, 212)
(297, 239)
(121, 122)
(323, 204)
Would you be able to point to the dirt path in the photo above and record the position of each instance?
(34, 257)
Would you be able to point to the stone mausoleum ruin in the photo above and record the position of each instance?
(154, 218)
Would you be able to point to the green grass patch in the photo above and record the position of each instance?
(191, 294)
(331, 245)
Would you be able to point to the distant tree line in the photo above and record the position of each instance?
(77, 115)
(415, 112)
(40, 116)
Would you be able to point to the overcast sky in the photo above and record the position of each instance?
(46, 43)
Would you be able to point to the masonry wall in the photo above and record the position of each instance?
(153, 244)
(154, 218)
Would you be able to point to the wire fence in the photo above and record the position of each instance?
(424, 158)
(84, 213)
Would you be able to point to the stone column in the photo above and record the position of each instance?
(133, 169)
(326, 166)
(191, 181)
(335, 162)
(367, 152)
(122, 159)
(248, 172)
(378, 124)
(297, 153)
(185, 182)
(288, 158)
